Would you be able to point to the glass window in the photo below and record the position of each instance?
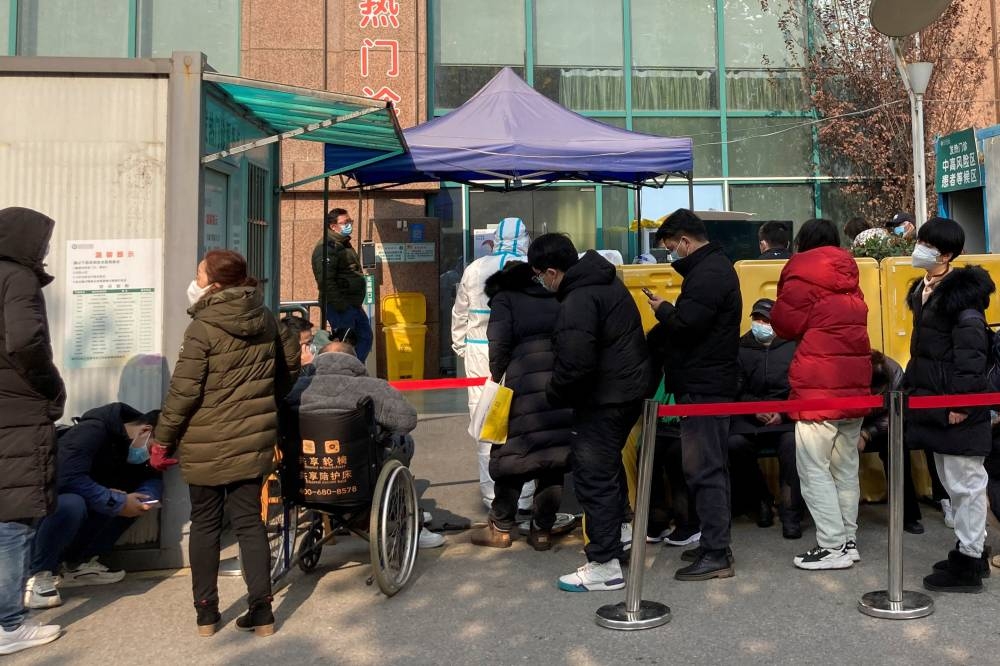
(704, 132)
(568, 210)
(209, 26)
(770, 147)
(774, 202)
(473, 40)
(96, 28)
(4, 27)
(579, 52)
(678, 72)
(614, 216)
(839, 205)
(660, 201)
(765, 49)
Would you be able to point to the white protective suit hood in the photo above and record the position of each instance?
(511, 237)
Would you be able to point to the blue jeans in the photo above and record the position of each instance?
(15, 553)
(355, 319)
(73, 533)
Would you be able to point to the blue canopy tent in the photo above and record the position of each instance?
(509, 136)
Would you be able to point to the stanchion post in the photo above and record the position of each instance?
(896, 603)
(635, 613)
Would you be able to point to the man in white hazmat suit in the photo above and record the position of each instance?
(469, 319)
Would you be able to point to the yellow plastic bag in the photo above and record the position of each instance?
(494, 428)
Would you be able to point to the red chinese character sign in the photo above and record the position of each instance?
(382, 29)
(379, 13)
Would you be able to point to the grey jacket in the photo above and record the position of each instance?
(339, 382)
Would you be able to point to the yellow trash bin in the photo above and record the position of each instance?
(404, 351)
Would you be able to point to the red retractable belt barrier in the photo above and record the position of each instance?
(961, 400)
(767, 407)
(437, 384)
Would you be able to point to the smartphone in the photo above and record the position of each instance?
(151, 503)
(649, 294)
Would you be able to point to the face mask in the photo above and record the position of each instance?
(196, 293)
(673, 256)
(900, 230)
(137, 455)
(541, 280)
(762, 332)
(347, 229)
(925, 257)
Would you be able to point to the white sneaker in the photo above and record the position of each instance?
(428, 539)
(41, 592)
(824, 558)
(659, 537)
(851, 548)
(28, 635)
(594, 577)
(949, 513)
(626, 536)
(90, 573)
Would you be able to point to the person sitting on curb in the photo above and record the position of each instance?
(104, 483)
(339, 382)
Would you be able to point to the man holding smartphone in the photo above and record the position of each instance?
(105, 482)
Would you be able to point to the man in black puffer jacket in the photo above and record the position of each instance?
(602, 370)
(522, 317)
(701, 335)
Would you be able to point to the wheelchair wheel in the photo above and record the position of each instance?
(394, 528)
(312, 545)
(281, 523)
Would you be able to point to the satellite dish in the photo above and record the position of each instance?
(899, 18)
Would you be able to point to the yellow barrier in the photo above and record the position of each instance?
(871, 287)
(758, 279)
(661, 279)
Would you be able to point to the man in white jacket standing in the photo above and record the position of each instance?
(469, 319)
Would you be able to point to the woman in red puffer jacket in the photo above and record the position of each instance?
(821, 307)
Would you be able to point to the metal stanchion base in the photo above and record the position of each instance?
(230, 567)
(913, 605)
(650, 614)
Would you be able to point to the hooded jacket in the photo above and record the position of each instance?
(701, 331)
(31, 390)
(93, 459)
(949, 354)
(345, 282)
(470, 316)
(763, 376)
(601, 357)
(821, 306)
(339, 382)
(522, 318)
(235, 365)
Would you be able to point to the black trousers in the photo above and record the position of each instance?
(599, 435)
(242, 498)
(669, 497)
(507, 492)
(749, 488)
(706, 467)
(911, 507)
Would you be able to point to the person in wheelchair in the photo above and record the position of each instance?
(338, 383)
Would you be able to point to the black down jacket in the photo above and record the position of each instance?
(601, 353)
(522, 317)
(31, 390)
(702, 329)
(949, 354)
(763, 376)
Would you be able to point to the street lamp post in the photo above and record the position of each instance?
(916, 76)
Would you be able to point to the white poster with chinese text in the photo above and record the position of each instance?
(114, 301)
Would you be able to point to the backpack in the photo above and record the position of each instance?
(992, 347)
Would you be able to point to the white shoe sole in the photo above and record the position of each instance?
(839, 563)
(11, 648)
(92, 579)
(854, 555)
(618, 584)
(39, 602)
(694, 538)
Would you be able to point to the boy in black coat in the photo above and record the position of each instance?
(602, 371)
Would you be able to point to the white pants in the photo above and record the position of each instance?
(964, 477)
(477, 364)
(826, 455)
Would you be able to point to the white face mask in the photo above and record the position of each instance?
(925, 257)
(196, 293)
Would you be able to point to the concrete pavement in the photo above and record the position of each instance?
(467, 605)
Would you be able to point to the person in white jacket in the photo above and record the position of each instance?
(469, 319)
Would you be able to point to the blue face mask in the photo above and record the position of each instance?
(762, 332)
(347, 229)
(138, 455)
(900, 230)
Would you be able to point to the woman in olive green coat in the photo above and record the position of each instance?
(220, 415)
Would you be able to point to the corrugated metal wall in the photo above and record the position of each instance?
(89, 151)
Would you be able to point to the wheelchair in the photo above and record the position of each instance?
(335, 471)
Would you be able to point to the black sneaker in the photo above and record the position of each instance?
(259, 619)
(683, 536)
(824, 558)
